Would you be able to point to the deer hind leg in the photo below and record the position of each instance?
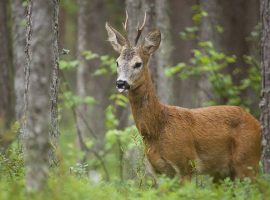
(246, 153)
(244, 165)
(218, 178)
(184, 174)
(245, 170)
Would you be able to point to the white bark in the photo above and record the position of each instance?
(39, 53)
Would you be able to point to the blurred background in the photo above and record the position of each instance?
(209, 55)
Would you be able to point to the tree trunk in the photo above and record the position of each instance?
(6, 91)
(207, 32)
(54, 87)
(91, 20)
(39, 54)
(18, 38)
(184, 91)
(239, 19)
(164, 55)
(265, 103)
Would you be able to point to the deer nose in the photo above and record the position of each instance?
(122, 84)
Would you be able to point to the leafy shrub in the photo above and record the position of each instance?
(208, 62)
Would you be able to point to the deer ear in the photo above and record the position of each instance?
(151, 42)
(115, 38)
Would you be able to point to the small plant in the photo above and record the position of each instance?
(79, 170)
(208, 62)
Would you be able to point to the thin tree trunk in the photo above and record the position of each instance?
(207, 33)
(164, 55)
(39, 54)
(238, 20)
(265, 102)
(54, 89)
(6, 91)
(18, 38)
(91, 20)
(185, 92)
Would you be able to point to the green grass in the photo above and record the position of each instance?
(67, 187)
(67, 184)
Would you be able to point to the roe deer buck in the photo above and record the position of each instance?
(222, 141)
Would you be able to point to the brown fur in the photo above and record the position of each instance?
(220, 140)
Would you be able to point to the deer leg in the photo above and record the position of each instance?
(185, 178)
(244, 170)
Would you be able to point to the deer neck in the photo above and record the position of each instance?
(146, 109)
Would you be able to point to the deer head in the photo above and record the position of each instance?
(132, 64)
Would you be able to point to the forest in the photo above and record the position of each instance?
(74, 126)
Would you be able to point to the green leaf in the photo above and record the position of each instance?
(89, 100)
(89, 55)
(231, 59)
(100, 71)
(219, 29)
(68, 65)
(175, 69)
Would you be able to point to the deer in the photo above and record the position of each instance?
(220, 141)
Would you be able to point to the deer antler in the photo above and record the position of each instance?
(140, 29)
(125, 25)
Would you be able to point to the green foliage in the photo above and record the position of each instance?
(69, 6)
(111, 120)
(7, 135)
(71, 100)
(68, 65)
(208, 62)
(192, 31)
(107, 66)
(73, 184)
(129, 137)
(110, 157)
(89, 55)
(119, 99)
(11, 163)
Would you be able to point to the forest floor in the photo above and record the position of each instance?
(65, 187)
(69, 181)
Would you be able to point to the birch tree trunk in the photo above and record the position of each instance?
(41, 63)
(18, 38)
(265, 102)
(6, 91)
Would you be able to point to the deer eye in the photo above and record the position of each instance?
(137, 65)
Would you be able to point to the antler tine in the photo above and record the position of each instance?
(125, 25)
(140, 29)
(144, 21)
(126, 22)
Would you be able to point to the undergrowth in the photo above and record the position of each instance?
(63, 184)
